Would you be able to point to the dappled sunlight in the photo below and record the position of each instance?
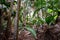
(29, 19)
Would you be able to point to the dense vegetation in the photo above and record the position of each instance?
(29, 19)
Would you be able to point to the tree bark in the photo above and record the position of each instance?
(0, 24)
(9, 11)
(16, 20)
(0, 20)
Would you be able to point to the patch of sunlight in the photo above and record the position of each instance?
(31, 11)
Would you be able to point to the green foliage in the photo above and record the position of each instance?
(40, 20)
(49, 6)
(34, 21)
(49, 19)
(36, 11)
(21, 14)
(39, 3)
(15, 2)
(2, 1)
(33, 32)
(7, 4)
(49, 10)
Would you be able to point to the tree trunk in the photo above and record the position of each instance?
(0, 20)
(16, 20)
(9, 11)
(0, 24)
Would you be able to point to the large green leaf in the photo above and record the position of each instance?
(49, 19)
(32, 31)
(49, 10)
